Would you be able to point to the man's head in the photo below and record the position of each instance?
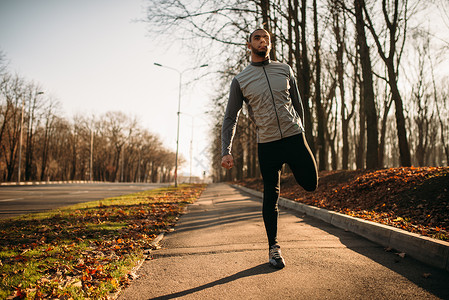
(260, 44)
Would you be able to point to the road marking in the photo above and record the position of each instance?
(12, 199)
(79, 192)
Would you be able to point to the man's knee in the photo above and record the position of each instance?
(309, 184)
(310, 187)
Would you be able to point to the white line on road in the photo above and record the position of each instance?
(79, 192)
(12, 199)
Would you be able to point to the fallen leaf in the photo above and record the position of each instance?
(133, 276)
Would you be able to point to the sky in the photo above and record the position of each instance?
(94, 56)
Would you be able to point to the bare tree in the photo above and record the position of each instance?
(368, 92)
(444, 126)
(47, 131)
(420, 97)
(34, 115)
(7, 107)
(346, 111)
(13, 110)
(322, 158)
(297, 20)
(388, 101)
(395, 17)
(440, 96)
(58, 149)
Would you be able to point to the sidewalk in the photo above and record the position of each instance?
(219, 251)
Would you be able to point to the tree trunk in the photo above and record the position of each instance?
(74, 157)
(339, 32)
(302, 65)
(45, 147)
(319, 108)
(404, 149)
(392, 26)
(265, 8)
(368, 92)
(383, 130)
(360, 143)
(303, 71)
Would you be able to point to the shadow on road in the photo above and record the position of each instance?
(429, 278)
(257, 270)
(199, 221)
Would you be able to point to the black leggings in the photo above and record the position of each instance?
(295, 152)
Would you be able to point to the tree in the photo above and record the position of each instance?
(47, 131)
(421, 100)
(322, 161)
(297, 19)
(394, 19)
(12, 112)
(346, 115)
(34, 105)
(368, 92)
(388, 101)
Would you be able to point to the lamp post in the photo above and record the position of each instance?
(179, 111)
(91, 164)
(20, 139)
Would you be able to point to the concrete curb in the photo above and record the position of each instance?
(155, 242)
(46, 182)
(427, 250)
(133, 273)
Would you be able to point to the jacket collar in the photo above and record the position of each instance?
(262, 63)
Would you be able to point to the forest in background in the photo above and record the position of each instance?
(370, 74)
(111, 147)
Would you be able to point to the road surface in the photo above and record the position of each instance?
(18, 200)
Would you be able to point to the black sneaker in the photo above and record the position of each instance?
(275, 258)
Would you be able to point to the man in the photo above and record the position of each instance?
(269, 89)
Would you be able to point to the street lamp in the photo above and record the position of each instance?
(179, 111)
(91, 164)
(20, 138)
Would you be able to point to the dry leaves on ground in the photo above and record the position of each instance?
(413, 199)
(87, 252)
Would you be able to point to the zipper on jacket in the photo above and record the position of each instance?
(274, 103)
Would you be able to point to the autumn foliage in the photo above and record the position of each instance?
(413, 199)
(88, 251)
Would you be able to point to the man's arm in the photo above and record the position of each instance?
(296, 98)
(233, 108)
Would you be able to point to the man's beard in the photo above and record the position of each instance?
(262, 53)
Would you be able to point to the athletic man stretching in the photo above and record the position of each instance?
(270, 92)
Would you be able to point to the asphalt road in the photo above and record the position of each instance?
(18, 200)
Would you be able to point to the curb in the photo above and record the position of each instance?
(424, 249)
(155, 242)
(132, 274)
(46, 182)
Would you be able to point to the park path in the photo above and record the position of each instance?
(218, 250)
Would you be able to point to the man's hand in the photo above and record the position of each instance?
(227, 161)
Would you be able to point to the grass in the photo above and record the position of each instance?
(86, 250)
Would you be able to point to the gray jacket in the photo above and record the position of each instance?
(270, 91)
